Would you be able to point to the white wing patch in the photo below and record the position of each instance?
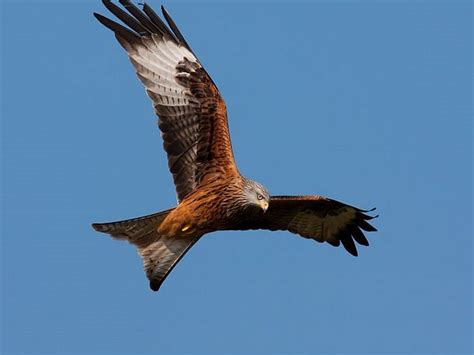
(156, 60)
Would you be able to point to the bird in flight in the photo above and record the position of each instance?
(212, 194)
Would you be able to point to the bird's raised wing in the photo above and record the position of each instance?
(192, 113)
(314, 217)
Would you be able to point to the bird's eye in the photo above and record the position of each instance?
(259, 197)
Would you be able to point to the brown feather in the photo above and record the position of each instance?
(159, 253)
(315, 217)
(192, 114)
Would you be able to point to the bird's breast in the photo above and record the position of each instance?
(208, 209)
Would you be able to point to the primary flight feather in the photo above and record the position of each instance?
(212, 194)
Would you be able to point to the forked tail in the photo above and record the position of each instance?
(160, 254)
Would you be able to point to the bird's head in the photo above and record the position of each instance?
(256, 195)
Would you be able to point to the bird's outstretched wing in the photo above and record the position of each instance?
(192, 113)
(314, 217)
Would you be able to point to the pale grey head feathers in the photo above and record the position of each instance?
(256, 194)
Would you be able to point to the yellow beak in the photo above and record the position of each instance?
(264, 205)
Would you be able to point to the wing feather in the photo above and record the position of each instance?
(314, 217)
(192, 114)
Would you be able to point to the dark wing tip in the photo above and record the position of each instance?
(119, 30)
(348, 243)
(99, 17)
(367, 217)
(365, 211)
(363, 218)
(354, 232)
(366, 226)
(164, 11)
(359, 237)
(352, 251)
(176, 32)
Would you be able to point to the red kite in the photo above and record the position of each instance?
(212, 195)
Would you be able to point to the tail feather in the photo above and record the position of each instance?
(159, 253)
(139, 231)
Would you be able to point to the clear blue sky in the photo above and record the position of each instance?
(365, 102)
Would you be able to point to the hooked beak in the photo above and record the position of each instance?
(264, 205)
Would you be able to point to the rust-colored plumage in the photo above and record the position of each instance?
(212, 195)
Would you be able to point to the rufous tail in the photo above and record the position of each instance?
(160, 253)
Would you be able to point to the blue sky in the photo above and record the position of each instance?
(366, 102)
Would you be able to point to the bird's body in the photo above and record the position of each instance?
(212, 194)
(209, 209)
